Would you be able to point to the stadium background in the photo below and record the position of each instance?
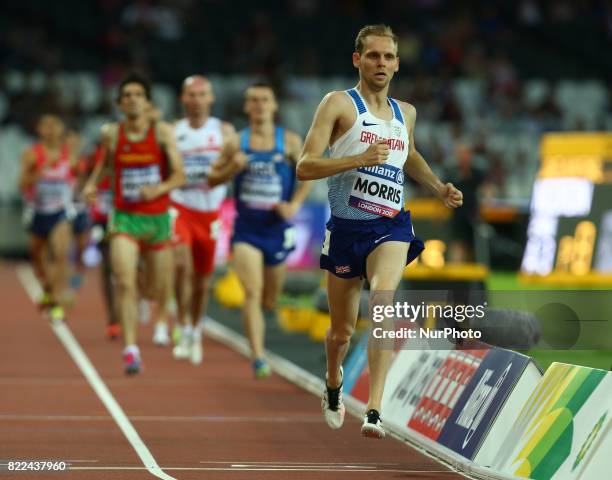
(495, 76)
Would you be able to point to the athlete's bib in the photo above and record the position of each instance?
(261, 186)
(261, 193)
(52, 195)
(378, 190)
(133, 179)
(197, 168)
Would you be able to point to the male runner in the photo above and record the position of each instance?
(200, 139)
(46, 180)
(146, 166)
(369, 235)
(266, 199)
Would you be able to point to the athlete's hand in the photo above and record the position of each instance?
(150, 192)
(286, 210)
(89, 193)
(376, 154)
(239, 161)
(451, 196)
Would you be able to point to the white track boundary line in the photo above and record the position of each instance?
(315, 385)
(269, 469)
(63, 333)
(159, 418)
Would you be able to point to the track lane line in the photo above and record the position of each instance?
(30, 283)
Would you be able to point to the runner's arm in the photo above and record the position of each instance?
(176, 177)
(419, 170)
(230, 162)
(103, 166)
(290, 208)
(227, 130)
(312, 165)
(29, 173)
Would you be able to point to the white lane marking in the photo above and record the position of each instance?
(375, 464)
(163, 418)
(301, 466)
(63, 333)
(266, 469)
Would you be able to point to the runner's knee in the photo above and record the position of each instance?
(381, 284)
(253, 293)
(124, 282)
(340, 335)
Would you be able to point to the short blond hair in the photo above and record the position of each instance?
(380, 30)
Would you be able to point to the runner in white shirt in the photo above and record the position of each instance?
(371, 143)
(200, 139)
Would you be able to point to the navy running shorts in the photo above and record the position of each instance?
(42, 224)
(276, 241)
(349, 242)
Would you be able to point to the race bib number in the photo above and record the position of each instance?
(378, 190)
(261, 193)
(52, 194)
(197, 168)
(133, 179)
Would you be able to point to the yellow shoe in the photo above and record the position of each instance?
(56, 314)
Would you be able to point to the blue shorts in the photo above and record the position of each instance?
(42, 224)
(81, 223)
(349, 242)
(274, 241)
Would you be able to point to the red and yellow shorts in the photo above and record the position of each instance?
(199, 230)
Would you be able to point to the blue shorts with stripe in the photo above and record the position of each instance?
(349, 242)
(275, 241)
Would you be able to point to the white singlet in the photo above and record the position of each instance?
(199, 147)
(368, 193)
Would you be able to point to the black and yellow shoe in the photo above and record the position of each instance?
(45, 301)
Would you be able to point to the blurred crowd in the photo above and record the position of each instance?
(490, 76)
(169, 38)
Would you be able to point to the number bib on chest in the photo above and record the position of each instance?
(261, 187)
(197, 169)
(133, 179)
(52, 194)
(261, 193)
(378, 190)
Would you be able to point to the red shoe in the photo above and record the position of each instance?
(113, 331)
(131, 363)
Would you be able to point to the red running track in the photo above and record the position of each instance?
(213, 421)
